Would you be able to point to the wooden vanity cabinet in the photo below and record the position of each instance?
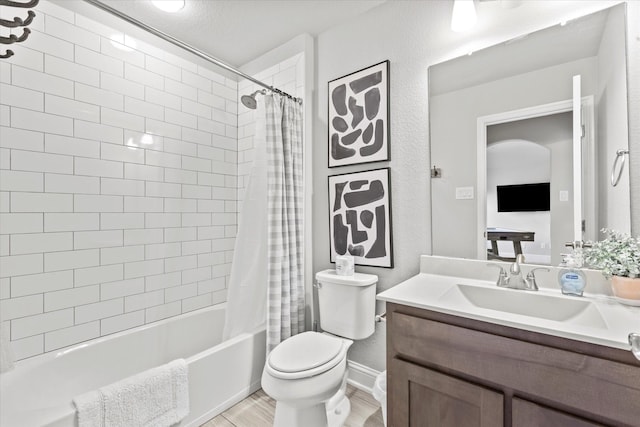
(449, 371)
(431, 398)
(530, 414)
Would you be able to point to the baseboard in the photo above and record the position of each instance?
(361, 376)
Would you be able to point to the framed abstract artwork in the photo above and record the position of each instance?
(360, 217)
(359, 117)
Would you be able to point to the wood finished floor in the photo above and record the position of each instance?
(258, 409)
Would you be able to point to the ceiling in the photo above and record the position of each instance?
(238, 31)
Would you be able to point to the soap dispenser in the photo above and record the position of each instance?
(572, 280)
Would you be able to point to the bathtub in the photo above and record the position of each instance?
(39, 391)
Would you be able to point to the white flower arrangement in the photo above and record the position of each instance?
(617, 255)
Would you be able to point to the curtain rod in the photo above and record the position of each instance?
(185, 46)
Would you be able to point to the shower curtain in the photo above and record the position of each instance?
(267, 272)
(247, 291)
(285, 218)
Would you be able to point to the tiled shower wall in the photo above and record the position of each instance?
(118, 183)
(289, 77)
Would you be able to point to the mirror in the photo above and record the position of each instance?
(510, 177)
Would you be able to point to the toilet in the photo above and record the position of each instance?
(307, 374)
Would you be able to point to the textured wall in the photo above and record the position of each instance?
(118, 183)
(412, 35)
(396, 31)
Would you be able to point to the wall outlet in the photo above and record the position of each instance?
(464, 193)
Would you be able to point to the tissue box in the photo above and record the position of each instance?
(344, 265)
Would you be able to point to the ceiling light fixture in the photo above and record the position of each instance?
(168, 5)
(463, 17)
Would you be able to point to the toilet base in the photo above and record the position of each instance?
(330, 413)
(310, 416)
(338, 407)
(338, 415)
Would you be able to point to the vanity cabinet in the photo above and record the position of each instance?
(430, 398)
(446, 370)
(530, 414)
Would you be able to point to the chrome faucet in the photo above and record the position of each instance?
(514, 279)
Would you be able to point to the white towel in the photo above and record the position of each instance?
(158, 397)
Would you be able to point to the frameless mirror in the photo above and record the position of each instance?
(523, 138)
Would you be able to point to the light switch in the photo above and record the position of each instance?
(464, 193)
(564, 196)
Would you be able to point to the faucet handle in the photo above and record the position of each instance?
(530, 280)
(578, 244)
(531, 273)
(502, 276)
(515, 267)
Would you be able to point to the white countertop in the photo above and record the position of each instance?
(440, 293)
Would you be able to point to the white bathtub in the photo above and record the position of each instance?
(39, 391)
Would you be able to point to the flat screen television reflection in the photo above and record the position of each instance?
(524, 197)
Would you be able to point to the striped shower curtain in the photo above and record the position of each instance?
(285, 219)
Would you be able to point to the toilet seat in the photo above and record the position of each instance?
(305, 355)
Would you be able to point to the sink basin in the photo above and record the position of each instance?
(531, 304)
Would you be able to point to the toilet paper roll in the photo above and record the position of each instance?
(344, 265)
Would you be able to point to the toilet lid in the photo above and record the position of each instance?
(304, 351)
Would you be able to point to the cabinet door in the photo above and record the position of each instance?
(422, 397)
(529, 414)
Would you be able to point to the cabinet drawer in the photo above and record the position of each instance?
(562, 379)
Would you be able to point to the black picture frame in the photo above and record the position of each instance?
(358, 117)
(360, 217)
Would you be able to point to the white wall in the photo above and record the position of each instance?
(614, 204)
(412, 35)
(118, 183)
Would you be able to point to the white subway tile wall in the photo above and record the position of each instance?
(99, 151)
(121, 176)
(288, 76)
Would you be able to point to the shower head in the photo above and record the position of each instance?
(249, 101)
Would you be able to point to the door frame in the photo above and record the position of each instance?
(588, 159)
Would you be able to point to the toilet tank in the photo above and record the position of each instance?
(347, 303)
